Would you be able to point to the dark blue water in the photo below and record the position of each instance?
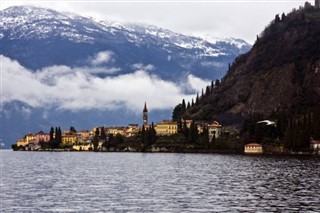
(137, 182)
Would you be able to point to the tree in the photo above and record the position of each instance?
(103, 134)
(95, 142)
(176, 114)
(72, 129)
(183, 107)
(277, 18)
(185, 129)
(197, 99)
(193, 133)
(179, 124)
(207, 91)
(188, 105)
(97, 132)
(51, 134)
(58, 138)
(217, 82)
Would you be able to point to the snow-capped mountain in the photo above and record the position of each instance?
(28, 32)
(56, 64)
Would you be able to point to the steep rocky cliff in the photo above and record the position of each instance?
(280, 73)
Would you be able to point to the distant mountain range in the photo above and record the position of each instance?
(44, 45)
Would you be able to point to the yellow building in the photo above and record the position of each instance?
(132, 130)
(166, 128)
(253, 148)
(116, 130)
(84, 147)
(22, 142)
(69, 138)
(30, 138)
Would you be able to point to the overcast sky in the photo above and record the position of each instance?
(236, 18)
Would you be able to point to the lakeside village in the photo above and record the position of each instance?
(185, 136)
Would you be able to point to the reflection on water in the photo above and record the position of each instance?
(137, 182)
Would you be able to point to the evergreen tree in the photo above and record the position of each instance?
(97, 132)
(179, 124)
(197, 99)
(212, 84)
(192, 102)
(183, 107)
(153, 134)
(143, 134)
(207, 91)
(103, 134)
(51, 134)
(185, 129)
(188, 105)
(72, 129)
(193, 132)
(177, 112)
(95, 142)
(217, 82)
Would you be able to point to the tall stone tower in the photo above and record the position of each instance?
(145, 115)
(317, 4)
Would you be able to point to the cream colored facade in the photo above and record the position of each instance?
(30, 138)
(214, 130)
(69, 139)
(84, 147)
(22, 142)
(132, 130)
(253, 148)
(116, 130)
(166, 128)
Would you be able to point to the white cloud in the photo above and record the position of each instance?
(197, 84)
(103, 57)
(140, 66)
(76, 89)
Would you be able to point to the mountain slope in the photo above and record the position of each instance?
(280, 73)
(39, 37)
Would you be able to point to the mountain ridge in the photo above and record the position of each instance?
(280, 74)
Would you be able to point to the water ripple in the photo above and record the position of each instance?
(138, 182)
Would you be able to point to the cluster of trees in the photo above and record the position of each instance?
(181, 108)
(301, 128)
(55, 141)
(293, 130)
(148, 136)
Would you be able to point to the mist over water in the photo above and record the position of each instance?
(138, 182)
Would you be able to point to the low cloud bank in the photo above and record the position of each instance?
(75, 89)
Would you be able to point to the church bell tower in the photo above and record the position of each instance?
(145, 115)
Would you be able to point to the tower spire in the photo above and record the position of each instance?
(145, 115)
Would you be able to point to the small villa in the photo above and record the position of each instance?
(253, 148)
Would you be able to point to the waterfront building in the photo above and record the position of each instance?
(69, 138)
(166, 127)
(132, 130)
(22, 142)
(83, 136)
(315, 146)
(31, 138)
(214, 130)
(42, 137)
(253, 148)
(115, 130)
(83, 147)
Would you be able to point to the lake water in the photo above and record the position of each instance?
(154, 182)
